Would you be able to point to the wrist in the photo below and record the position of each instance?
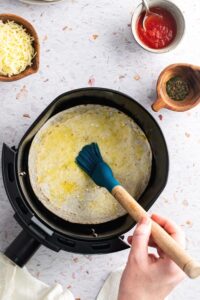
(139, 296)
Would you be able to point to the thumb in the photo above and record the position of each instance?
(141, 237)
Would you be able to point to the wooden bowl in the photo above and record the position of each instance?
(188, 72)
(35, 63)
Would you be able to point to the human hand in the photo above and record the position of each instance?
(148, 276)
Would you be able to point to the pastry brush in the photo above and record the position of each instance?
(90, 160)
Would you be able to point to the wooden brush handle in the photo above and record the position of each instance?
(169, 246)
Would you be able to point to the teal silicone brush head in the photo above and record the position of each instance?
(90, 160)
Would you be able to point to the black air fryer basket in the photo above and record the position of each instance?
(40, 226)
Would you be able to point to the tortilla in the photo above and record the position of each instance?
(63, 187)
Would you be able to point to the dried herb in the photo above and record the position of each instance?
(177, 88)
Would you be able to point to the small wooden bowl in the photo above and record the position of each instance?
(188, 72)
(35, 63)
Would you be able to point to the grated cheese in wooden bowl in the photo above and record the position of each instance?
(16, 48)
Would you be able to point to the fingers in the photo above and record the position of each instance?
(171, 227)
(151, 241)
(160, 253)
(140, 239)
(129, 239)
(153, 258)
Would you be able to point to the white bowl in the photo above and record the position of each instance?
(176, 13)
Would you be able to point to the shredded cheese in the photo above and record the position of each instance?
(16, 49)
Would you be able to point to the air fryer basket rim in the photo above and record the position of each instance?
(51, 110)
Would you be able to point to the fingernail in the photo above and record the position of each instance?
(153, 215)
(145, 221)
(144, 225)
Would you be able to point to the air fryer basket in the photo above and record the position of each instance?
(60, 233)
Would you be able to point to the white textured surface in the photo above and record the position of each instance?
(71, 57)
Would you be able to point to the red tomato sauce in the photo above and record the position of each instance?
(160, 31)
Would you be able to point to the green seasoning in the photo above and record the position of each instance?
(177, 88)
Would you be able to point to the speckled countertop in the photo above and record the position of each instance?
(89, 43)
